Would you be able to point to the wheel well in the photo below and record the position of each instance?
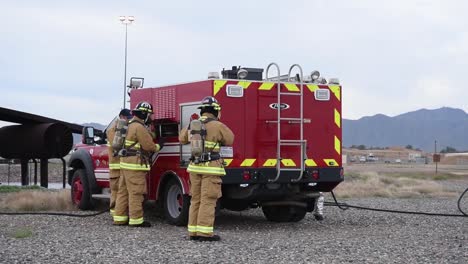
(165, 179)
(74, 165)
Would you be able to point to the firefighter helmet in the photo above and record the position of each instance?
(144, 107)
(210, 101)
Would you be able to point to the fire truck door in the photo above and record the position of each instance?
(186, 112)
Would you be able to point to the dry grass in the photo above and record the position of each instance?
(22, 233)
(37, 200)
(375, 184)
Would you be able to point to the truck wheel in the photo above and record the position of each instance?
(285, 213)
(80, 193)
(176, 204)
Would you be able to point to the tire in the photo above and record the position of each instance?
(176, 204)
(285, 213)
(80, 191)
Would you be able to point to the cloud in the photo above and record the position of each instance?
(386, 54)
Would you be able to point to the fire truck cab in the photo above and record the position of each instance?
(287, 146)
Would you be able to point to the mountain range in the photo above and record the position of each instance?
(420, 129)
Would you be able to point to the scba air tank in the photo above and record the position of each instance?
(120, 134)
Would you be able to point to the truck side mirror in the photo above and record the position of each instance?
(87, 136)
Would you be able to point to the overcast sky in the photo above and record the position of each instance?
(65, 59)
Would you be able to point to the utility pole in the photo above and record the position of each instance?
(126, 20)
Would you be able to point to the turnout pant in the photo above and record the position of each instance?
(205, 191)
(132, 188)
(114, 176)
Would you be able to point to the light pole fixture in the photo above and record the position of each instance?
(126, 20)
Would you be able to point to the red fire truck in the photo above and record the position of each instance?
(287, 145)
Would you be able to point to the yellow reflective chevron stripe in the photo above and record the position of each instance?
(269, 163)
(112, 212)
(114, 166)
(337, 145)
(133, 166)
(244, 84)
(192, 228)
(331, 162)
(217, 86)
(120, 218)
(228, 161)
(266, 86)
(312, 87)
(205, 229)
(288, 162)
(212, 145)
(335, 90)
(337, 118)
(135, 221)
(310, 163)
(205, 170)
(291, 87)
(129, 143)
(247, 162)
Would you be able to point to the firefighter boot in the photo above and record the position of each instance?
(144, 224)
(194, 237)
(210, 238)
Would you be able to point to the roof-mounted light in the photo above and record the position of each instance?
(213, 75)
(135, 83)
(242, 74)
(334, 81)
(315, 75)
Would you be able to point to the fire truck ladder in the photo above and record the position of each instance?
(289, 142)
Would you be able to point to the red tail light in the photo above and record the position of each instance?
(246, 176)
(315, 175)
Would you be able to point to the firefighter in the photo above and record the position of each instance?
(206, 172)
(114, 160)
(134, 165)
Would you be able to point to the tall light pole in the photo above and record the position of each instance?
(126, 20)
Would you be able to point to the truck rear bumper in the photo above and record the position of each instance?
(255, 184)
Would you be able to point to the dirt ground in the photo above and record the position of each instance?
(409, 167)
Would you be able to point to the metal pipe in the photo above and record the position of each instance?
(35, 171)
(125, 67)
(44, 173)
(301, 119)
(64, 172)
(278, 144)
(9, 170)
(24, 172)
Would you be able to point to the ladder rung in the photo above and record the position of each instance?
(283, 93)
(291, 144)
(291, 118)
(292, 141)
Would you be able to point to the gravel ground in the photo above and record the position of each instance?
(356, 236)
